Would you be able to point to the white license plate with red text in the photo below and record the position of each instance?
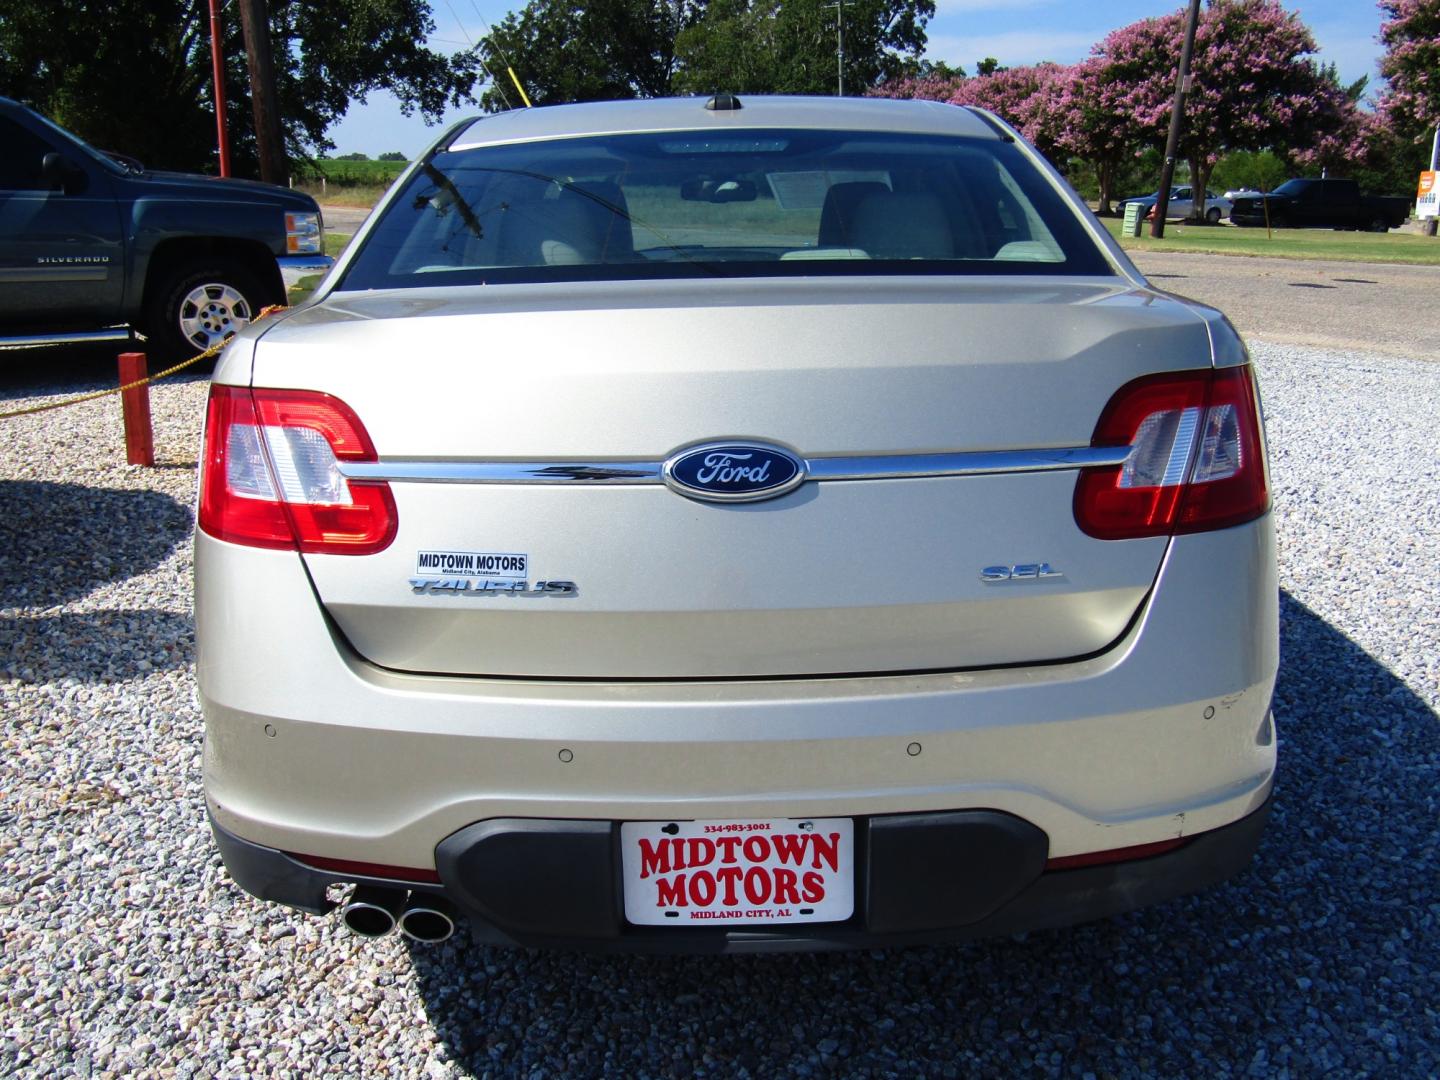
(729, 873)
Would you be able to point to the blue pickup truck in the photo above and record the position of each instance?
(93, 244)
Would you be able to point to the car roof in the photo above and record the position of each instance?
(690, 114)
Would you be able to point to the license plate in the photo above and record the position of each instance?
(738, 873)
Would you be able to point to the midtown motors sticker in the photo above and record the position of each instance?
(510, 566)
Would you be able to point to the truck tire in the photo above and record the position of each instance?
(200, 303)
(1213, 215)
(1279, 221)
(1378, 224)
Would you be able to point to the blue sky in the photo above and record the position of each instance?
(963, 31)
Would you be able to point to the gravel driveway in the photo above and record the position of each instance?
(126, 950)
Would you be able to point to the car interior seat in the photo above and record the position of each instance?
(903, 225)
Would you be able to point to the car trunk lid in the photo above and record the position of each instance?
(890, 573)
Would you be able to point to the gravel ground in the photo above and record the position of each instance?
(127, 951)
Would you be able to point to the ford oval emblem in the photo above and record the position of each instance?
(733, 472)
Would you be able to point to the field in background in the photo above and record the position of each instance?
(348, 183)
(1392, 247)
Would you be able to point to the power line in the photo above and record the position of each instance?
(475, 47)
(490, 36)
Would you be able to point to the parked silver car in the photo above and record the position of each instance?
(735, 525)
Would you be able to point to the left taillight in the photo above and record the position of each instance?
(271, 476)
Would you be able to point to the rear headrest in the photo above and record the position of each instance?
(618, 237)
(903, 225)
(837, 216)
(567, 228)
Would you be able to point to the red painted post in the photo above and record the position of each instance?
(217, 64)
(135, 404)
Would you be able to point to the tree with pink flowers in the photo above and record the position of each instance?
(1023, 96)
(1088, 129)
(1255, 84)
(1410, 33)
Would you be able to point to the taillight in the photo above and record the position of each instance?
(1196, 462)
(271, 474)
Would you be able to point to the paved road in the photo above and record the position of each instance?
(343, 219)
(1369, 306)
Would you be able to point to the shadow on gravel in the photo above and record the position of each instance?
(1322, 958)
(59, 542)
(72, 369)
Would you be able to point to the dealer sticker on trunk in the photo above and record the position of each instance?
(483, 564)
(725, 873)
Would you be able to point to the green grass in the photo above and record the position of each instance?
(1392, 247)
(362, 197)
(348, 183)
(352, 173)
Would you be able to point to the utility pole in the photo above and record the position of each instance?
(1434, 166)
(839, 7)
(217, 60)
(255, 21)
(1177, 112)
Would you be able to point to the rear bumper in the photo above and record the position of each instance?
(310, 749)
(985, 878)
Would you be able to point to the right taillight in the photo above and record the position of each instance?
(271, 475)
(1196, 461)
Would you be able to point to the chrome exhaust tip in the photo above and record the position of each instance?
(372, 911)
(427, 918)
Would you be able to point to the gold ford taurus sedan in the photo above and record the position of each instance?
(743, 524)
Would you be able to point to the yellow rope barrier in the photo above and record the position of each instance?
(82, 398)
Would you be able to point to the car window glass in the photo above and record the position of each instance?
(746, 204)
(21, 158)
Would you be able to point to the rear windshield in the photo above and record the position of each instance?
(735, 204)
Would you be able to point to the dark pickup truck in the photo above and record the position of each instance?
(1325, 203)
(92, 244)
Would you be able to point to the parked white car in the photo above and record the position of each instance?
(789, 523)
(1182, 206)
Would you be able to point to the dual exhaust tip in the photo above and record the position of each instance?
(373, 911)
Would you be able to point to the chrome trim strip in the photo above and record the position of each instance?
(76, 337)
(977, 463)
(878, 467)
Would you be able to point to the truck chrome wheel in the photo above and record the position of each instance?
(213, 312)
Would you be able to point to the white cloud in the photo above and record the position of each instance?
(1013, 47)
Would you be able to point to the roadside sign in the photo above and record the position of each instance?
(1132, 219)
(1427, 201)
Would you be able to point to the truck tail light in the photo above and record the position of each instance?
(271, 474)
(1196, 462)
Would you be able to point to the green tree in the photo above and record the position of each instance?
(640, 48)
(134, 75)
(603, 51)
(392, 155)
(789, 47)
